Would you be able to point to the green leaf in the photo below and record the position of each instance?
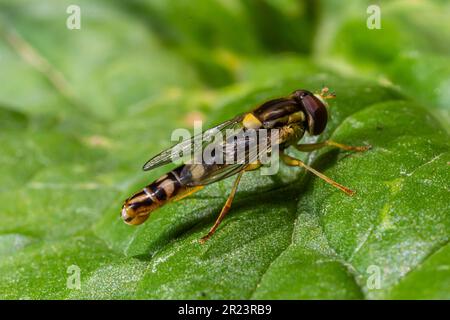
(82, 110)
(410, 50)
(42, 269)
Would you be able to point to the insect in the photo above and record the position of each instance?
(291, 116)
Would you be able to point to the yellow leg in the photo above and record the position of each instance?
(253, 166)
(188, 193)
(315, 146)
(298, 163)
(225, 209)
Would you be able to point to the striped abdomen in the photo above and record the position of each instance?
(137, 208)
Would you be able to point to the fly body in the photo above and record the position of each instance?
(289, 117)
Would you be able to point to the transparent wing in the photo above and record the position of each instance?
(187, 147)
(238, 153)
(218, 174)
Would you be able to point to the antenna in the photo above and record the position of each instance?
(325, 93)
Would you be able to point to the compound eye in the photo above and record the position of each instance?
(316, 114)
(300, 94)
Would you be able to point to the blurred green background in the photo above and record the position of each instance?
(82, 110)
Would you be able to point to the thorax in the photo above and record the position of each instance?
(291, 134)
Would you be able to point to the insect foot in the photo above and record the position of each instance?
(363, 148)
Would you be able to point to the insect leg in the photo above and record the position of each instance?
(315, 146)
(298, 163)
(253, 166)
(225, 209)
(188, 193)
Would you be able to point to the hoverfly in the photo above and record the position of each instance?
(291, 116)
